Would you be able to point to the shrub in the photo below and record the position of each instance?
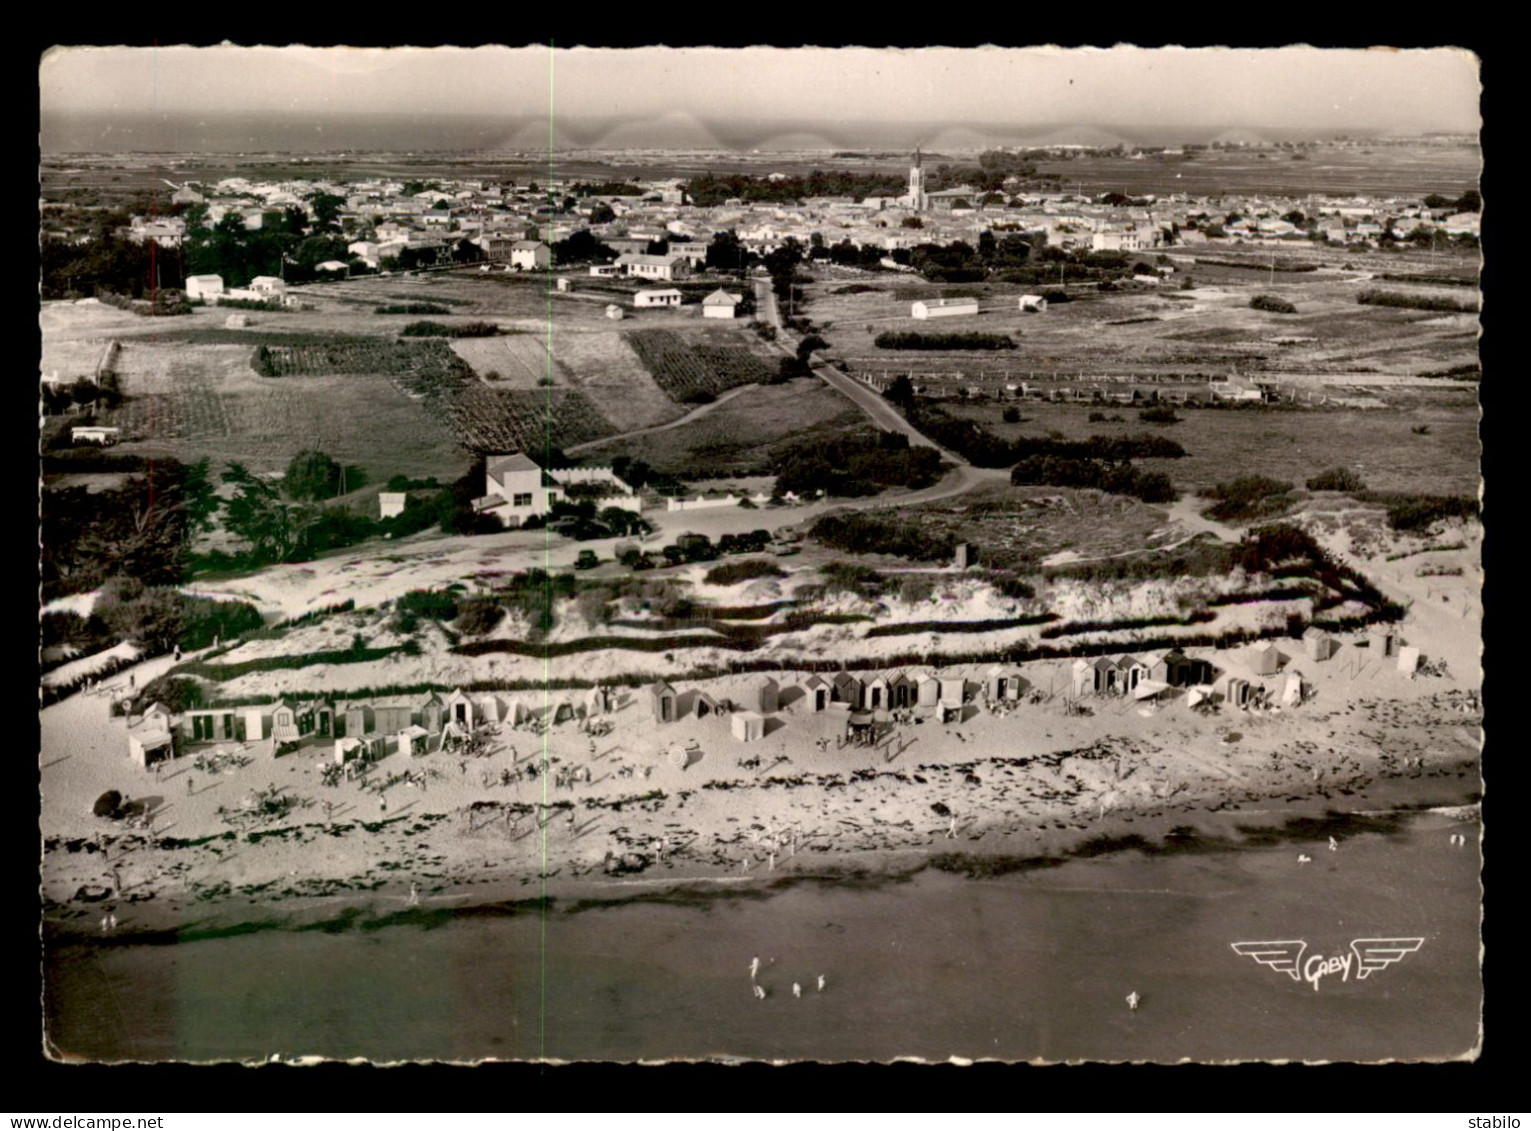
(972, 340)
(731, 573)
(426, 604)
(1417, 302)
(441, 330)
(1248, 497)
(1336, 479)
(477, 615)
(1272, 305)
(1011, 415)
(872, 533)
(1159, 415)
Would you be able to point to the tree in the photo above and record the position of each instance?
(312, 475)
(326, 207)
(1470, 201)
(726, 253)
(900, 392)
(257, 514)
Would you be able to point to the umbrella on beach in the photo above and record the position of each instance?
(109, 804)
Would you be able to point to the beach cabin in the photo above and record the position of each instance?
(348, 749)
(1264, 658)
(1292, 690)
(847, 690)
(1131, 671)
(1082, 678)
(1003, 683)
(1408, 660)
(1318, 644)
(412, 740)
(817, 691)
(322, 719)
(1382, 641)
(433, 714)
(767, 696)
(453, 734)
(1235, 691)
(150, 739)
(927, 690)
(662, 699)
(596, 702)
(391, 719)
(1179, 670)
(875, 694)
(285, 722)
(491, 708)
(901, 691)
(747, 726)
(359, 719)
(700, 704)
(212, 725)
(459, 709)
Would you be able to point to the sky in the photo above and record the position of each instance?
(1411, 91)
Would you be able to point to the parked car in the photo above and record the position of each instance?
(586, 560)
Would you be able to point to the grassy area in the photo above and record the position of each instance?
(1019, 527)
(1292, 444)
(740, 436)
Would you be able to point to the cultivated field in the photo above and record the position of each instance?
(514, 361)
(603, 366)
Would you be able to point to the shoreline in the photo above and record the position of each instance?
(1381, 803)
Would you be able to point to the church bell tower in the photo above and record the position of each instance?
(917, 200)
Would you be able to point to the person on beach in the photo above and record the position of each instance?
(1334, 845)
(821, 983)
(797, 989)
(1132, 1001)
(754, 967)
(760, 993)
(414, 895)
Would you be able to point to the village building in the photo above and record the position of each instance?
(721, 304)
(656, 297)
(205, 288)
(517, 488)
(531, 255)
(943, 308)
(662, 268)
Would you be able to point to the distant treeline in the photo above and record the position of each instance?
(412, 308)
(902, 340)
(1432, 280)
(440, 330)
(1253, 265)
(1417, 302)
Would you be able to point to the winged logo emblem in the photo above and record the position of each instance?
(1373, 955)
(1283, 957)
(1366, 957)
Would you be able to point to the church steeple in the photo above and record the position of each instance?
(917, 200)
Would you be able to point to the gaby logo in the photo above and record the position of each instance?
(1366, 957)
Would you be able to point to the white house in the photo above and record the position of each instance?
(657, 297)
(517, 488)
(1035, 304)
(720, 304)
(268, 286)
(204, 287)
(391, 503)
(531, 255)
(662, 267)
(943, 307)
